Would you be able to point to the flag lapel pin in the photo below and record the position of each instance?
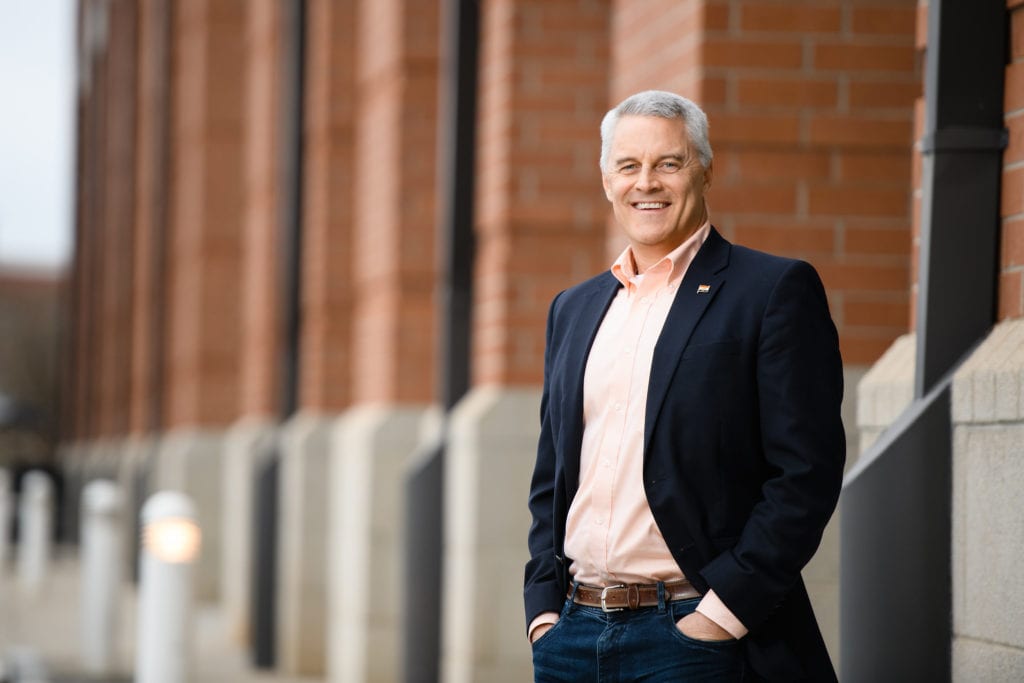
(703, 289)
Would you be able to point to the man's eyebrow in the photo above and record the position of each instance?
(677, 156)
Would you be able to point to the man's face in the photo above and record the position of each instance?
(656, 184)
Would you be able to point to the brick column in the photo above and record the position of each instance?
(392, 353)
(204, 259)
(259, 303)
(113, 235)
(540, 227)
(325, 358)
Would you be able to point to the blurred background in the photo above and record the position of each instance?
(293, 259)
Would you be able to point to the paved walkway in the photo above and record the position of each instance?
(39, 636)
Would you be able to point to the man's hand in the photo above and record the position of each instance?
(697, 626)
(539, 631)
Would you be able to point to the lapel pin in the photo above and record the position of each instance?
(703, 289)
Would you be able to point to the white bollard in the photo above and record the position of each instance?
(6, 510)
(170, 546)
(101, 575)
(35, 523)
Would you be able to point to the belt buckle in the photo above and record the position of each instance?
(604, 598)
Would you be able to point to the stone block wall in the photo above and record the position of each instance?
(988, 519)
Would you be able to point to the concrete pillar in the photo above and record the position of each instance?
(243, 444)
(6, 514)
(885, 390)
(302, 544)
(35, 527)
(492, 447)
(369, 447)
(191, 461)
(101, 572)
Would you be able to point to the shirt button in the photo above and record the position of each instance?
(628, 350)
(618, 407)
(645, 300)
(598, 521)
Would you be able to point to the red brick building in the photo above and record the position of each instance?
(190, 318)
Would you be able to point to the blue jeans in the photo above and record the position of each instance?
(589, 645)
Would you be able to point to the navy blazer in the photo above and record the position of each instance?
(743, 443)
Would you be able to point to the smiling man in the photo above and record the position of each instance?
(691, 448)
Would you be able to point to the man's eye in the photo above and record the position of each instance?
(628, 168)
(669, 166)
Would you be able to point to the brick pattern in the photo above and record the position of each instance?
(1011, 275)
(149, 200)
(813, 146)
(206, 221)
(261, 268)
(810, 106)
(111, 348)
(393, 250)
(540, 208)
(329, 219)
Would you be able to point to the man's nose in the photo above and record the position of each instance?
(647, 179)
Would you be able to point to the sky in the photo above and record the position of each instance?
(37, 100)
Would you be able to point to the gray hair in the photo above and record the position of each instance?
(665, 105)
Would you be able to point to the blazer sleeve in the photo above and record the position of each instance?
(799, 391)
(541, 588)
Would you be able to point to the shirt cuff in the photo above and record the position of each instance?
(714, 609)
(540, 620)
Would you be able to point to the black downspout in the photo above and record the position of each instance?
(265, 541)
(895, 537)
(455, 187)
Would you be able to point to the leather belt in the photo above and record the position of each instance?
(631, 596)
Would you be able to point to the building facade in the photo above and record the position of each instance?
(258, 279)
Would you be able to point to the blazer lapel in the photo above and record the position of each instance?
(582, 334)
(700, 285)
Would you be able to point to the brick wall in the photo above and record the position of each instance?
(540, 207)
(392, 259)
(1011, 275)
(260, 205)
(810, 107)
(329, 219)
(206, 186)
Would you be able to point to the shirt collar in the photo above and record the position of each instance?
(670, 267)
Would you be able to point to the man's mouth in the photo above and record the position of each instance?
(649, 206)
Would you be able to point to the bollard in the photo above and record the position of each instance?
(170, 546)
(35, 521)
(6, 509)
(101, 575)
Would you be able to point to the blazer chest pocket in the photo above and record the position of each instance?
(726, 347)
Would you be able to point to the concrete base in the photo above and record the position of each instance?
(244, 443)
(368, 449)
(492, 448)
(192, 461)
(885, 390)
(302, 537)
(822, 573)
(988, 520)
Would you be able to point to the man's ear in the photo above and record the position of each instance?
(607, 186)
(709, 173)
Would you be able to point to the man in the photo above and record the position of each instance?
(691, 448)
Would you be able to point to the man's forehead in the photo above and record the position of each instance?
(636, 131)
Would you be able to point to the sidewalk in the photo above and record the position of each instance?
(44, 628)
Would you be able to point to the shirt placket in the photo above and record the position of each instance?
(641, 301)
